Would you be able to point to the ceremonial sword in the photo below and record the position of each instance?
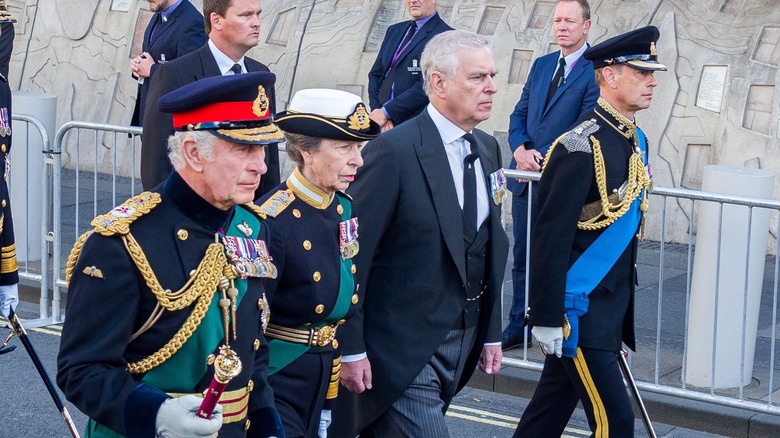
(635, 391)
(21, 333)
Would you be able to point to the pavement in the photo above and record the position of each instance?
(491, 405)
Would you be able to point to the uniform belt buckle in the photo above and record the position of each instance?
(322, 336)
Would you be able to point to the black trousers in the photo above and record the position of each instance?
(592, 377)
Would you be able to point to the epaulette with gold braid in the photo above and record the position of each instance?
(254, 208)
(277, 203)
(118, 220)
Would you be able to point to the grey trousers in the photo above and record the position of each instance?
(419, 412)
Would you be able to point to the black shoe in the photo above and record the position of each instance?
(513, 341)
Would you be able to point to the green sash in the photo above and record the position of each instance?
(187, 366)
(282, 353)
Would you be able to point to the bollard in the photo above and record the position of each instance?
(26, 174)
(728, 264)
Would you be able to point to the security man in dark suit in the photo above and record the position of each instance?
(165, 294)
(9, 276)
(592, 199)
(395, 91)
(313, 237)
(231, 35)
(176, 28)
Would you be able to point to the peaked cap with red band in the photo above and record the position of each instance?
(234, 107)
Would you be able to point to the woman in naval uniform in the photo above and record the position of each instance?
(312, 238)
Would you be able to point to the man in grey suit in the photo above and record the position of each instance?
(553, 98)
(233, 27)
(432, 255)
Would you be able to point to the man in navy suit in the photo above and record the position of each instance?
(395, 91)
(233, 28)
(176, 28)
(550, 104)
(432, 255)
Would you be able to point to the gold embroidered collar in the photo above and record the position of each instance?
(614, 119)
(302, 188)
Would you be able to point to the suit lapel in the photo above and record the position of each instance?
(209, 65)
(433, 160)
(418, 37)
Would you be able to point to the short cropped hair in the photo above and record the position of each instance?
(205, 140)
(442, 53)
(218, 6)
(583, 4)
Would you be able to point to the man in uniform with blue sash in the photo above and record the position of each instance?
(165, 294)
(592, 198)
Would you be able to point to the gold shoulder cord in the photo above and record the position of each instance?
(637, 180)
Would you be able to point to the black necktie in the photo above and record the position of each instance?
(236, 69)
(386, 87)
(557, 80)
(155, 22)
(470, 189)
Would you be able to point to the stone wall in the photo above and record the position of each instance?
(717, 104)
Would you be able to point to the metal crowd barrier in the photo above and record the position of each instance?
(664, 356)
(72, 197)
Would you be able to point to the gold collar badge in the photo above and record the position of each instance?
(652, 49)
(260, 105)
(359, 120)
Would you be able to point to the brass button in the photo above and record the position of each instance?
(3, 203)
(306, 245)
(256, 345)
(5, 176)
(3, 148)
(316, 276)
(340, 209)
(210, 360)
(182, 234)
(193, 272)
(251, 385)
(296, 213)
(354, 268)
(335, 343)
(355, 298)
(247, 424)
(319, 309)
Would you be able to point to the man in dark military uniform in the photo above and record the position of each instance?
(165, 294)
(9, 277)
(585, 243)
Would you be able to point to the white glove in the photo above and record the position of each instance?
(9, 299)
(550, 339)
(176, 419)
(324, 423)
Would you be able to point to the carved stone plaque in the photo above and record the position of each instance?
(385, 16)
(710, 95)
(120, 5)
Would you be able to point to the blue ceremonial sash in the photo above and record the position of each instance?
(591, 267)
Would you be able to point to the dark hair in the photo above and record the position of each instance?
(298, 143)
(220, 7)
(583, 4)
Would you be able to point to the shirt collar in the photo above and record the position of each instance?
(421, 22)
(309, 193)
(572, 58)
(223, 61)
(167, 11)
(448, 131)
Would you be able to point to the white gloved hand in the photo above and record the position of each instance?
(325, 420)
(550, 339)
(9, 299)
(177, 418)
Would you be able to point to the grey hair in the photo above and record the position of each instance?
(205, 140)
(296, 144)
(442, 53)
